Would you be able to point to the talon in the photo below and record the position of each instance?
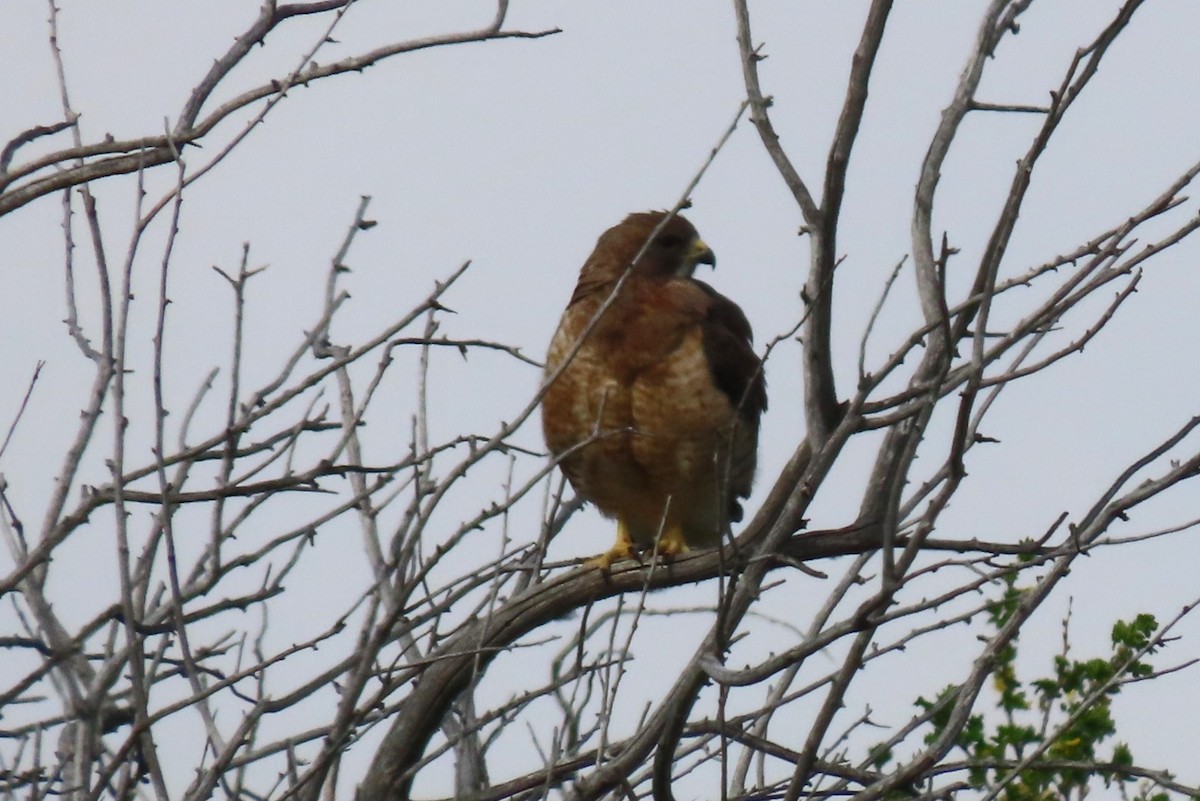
(672, 543)
(605, 560)
(622, 549)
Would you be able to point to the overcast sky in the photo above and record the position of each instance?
(516, 155)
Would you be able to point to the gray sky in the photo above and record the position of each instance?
(517, 154)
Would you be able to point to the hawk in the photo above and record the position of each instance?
(655, 391)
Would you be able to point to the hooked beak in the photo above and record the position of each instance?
(698, 253)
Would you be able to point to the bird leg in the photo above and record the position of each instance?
(671, 541)
(622, 549)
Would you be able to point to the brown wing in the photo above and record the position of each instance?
(736, 371)
(736, 368)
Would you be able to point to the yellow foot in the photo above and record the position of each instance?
(622, 549)
(672, 543)
(605, 560)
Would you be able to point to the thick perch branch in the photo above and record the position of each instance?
(476, 643)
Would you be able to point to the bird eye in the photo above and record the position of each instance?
(669, 241)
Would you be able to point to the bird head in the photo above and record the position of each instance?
(670, 249)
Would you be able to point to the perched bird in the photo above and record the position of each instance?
(654, 401)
